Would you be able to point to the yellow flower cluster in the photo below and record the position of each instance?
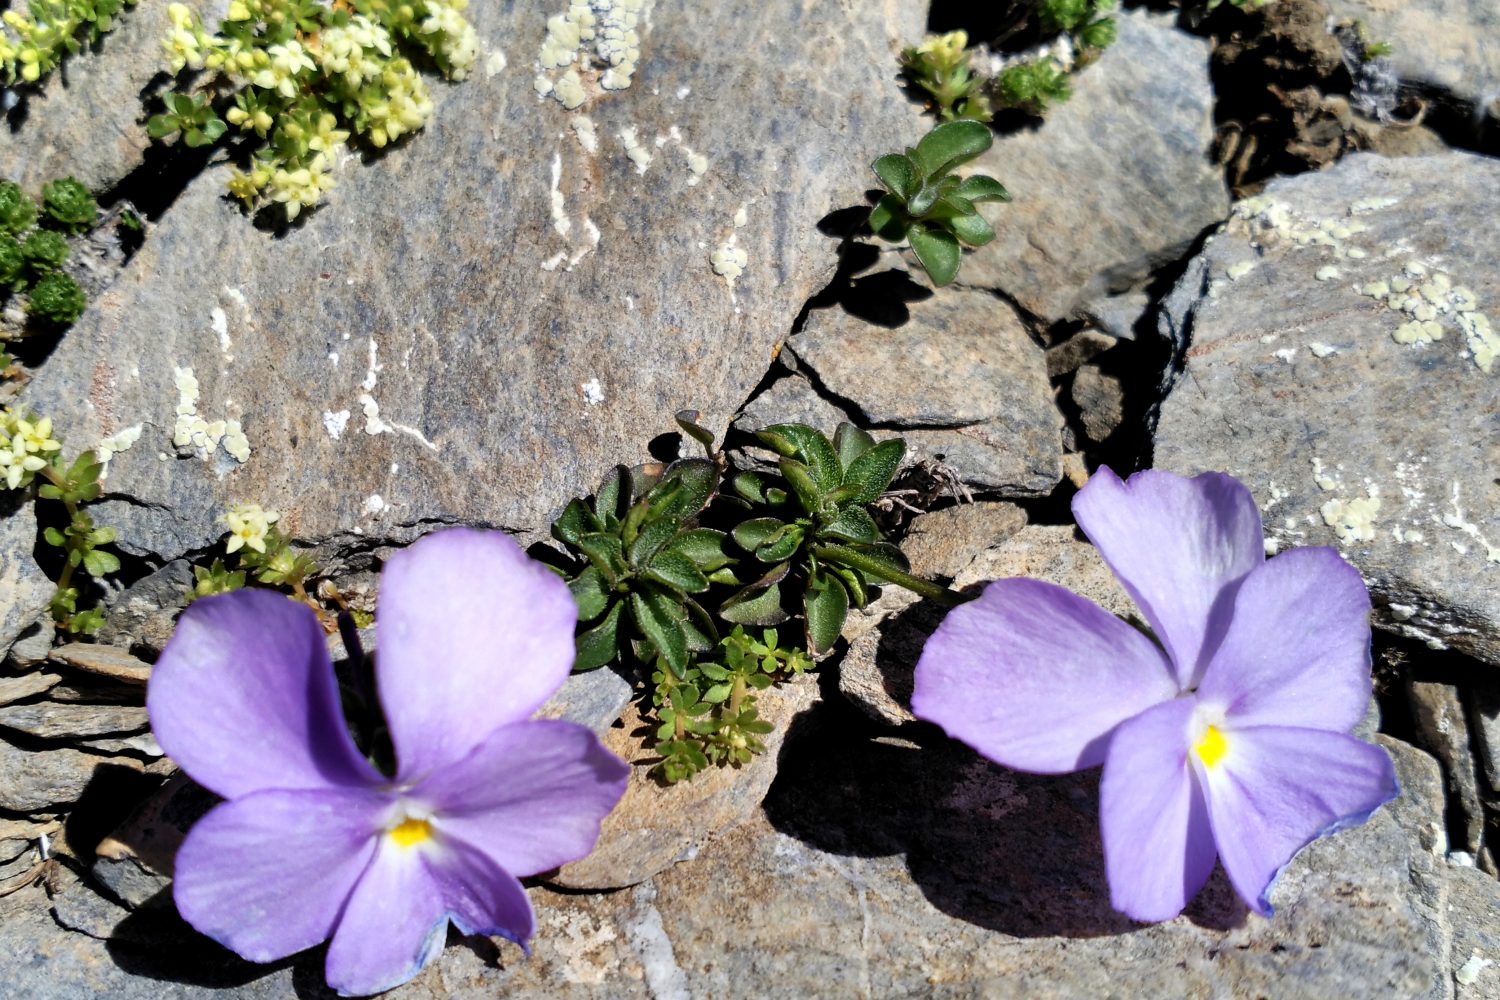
(454, 40)
(26, 448)
(249, 523)
(48, 31)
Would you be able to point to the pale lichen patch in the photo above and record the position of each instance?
(1321, 350)
(113, 445)
(593, 392)
(334, 423)
(1237, 271)
(560, 220)
(588, 137)
(1456, 520)
(494, 65)
(1353, 520)
(636, 150)
(591, 36)
(729, 261)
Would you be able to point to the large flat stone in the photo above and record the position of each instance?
(1296, 383)
(24, 588)
(1114, 183)
(444, 340)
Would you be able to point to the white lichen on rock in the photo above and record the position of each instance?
(111, 446)
(588, 138)
(560, 220)
(191, 431)
(334, 423)
(635, 149)
(1353, 520)
(729, 261)
(1456, 520)
(593, 392)
(598, 38)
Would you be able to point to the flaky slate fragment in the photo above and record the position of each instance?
(445, 340)
(1339, 338)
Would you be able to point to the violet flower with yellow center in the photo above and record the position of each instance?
(1227, 741)
(314, 842)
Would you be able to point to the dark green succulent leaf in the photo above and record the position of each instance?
(825, 605)
(854, 582)
(590, 592)
(654, 534)
(750, 485)
(880, 554)
(888, 218)
(808, 445)
(853, 525)
(702, 634)
(972, 229)
(600, 644)
(688, 421)
(938, 251)
(724, 575)
(752, 534)
(982, 187)
(606, 552)
(807, 489)
(950, 144)
(758, 603)
(704, 546)
(849, 442)
(872, 471)
(782, 545)
(677, 571)
(575, 520)
(950, 207)
(921, 203)
(660, 620)
(897, 173)
(613, 497)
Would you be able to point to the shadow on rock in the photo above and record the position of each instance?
(1015, 853)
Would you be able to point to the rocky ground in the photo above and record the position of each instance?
(1237, 247)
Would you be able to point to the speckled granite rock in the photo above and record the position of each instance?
(1353, 423)
(24, 588)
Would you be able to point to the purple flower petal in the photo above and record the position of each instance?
(531, 796)
(1179, 546)
(1277, 789)
(1035, 677)
(1297, 652)
(268, 874)
(481, 897)
(472, 635)
(243, 699)
(1158, 844)
(394, 924)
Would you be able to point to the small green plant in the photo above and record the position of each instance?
(940, 66)
(12, 263)
(936, 212)
(1033, 87)
(17, 210)
(215, 579)
(44, 252)
(49, 31)
(262, 553)
(304, 78)
(68, 205)
(56, 300)
(655, 573)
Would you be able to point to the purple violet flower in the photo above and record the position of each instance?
(1228, 740)
(313, 841)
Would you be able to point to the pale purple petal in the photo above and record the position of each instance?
(1297, 652)
(480, 896)
(531, 796)
(243, 698)
(1158, 845)
(268, 874)
(472, 635)
(394, 924)
(1278, 789)
(1180, 546)
(1035, 677)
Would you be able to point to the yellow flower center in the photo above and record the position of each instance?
(411, 832)
(1212, 747)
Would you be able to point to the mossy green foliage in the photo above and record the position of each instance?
(69, 206)
(304, 78)
(931, 208)
(34, 249)
(34, 43)
(666, 559)
(56, 300)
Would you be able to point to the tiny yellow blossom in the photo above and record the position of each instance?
(248, 525)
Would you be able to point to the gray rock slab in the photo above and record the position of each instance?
(1448, 46)
(24, 588)
(1114, 183)
(595, 699)
(961, 380)
(19, 688)
(1485, 724)
(33, 645)
(145, 613)
(434, 344)
(88, 118)
(103, 661)
(33, 781)
(1310, 376)
(1100, 398)
(51, 721)
(1442, 729)
(1472, 912)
